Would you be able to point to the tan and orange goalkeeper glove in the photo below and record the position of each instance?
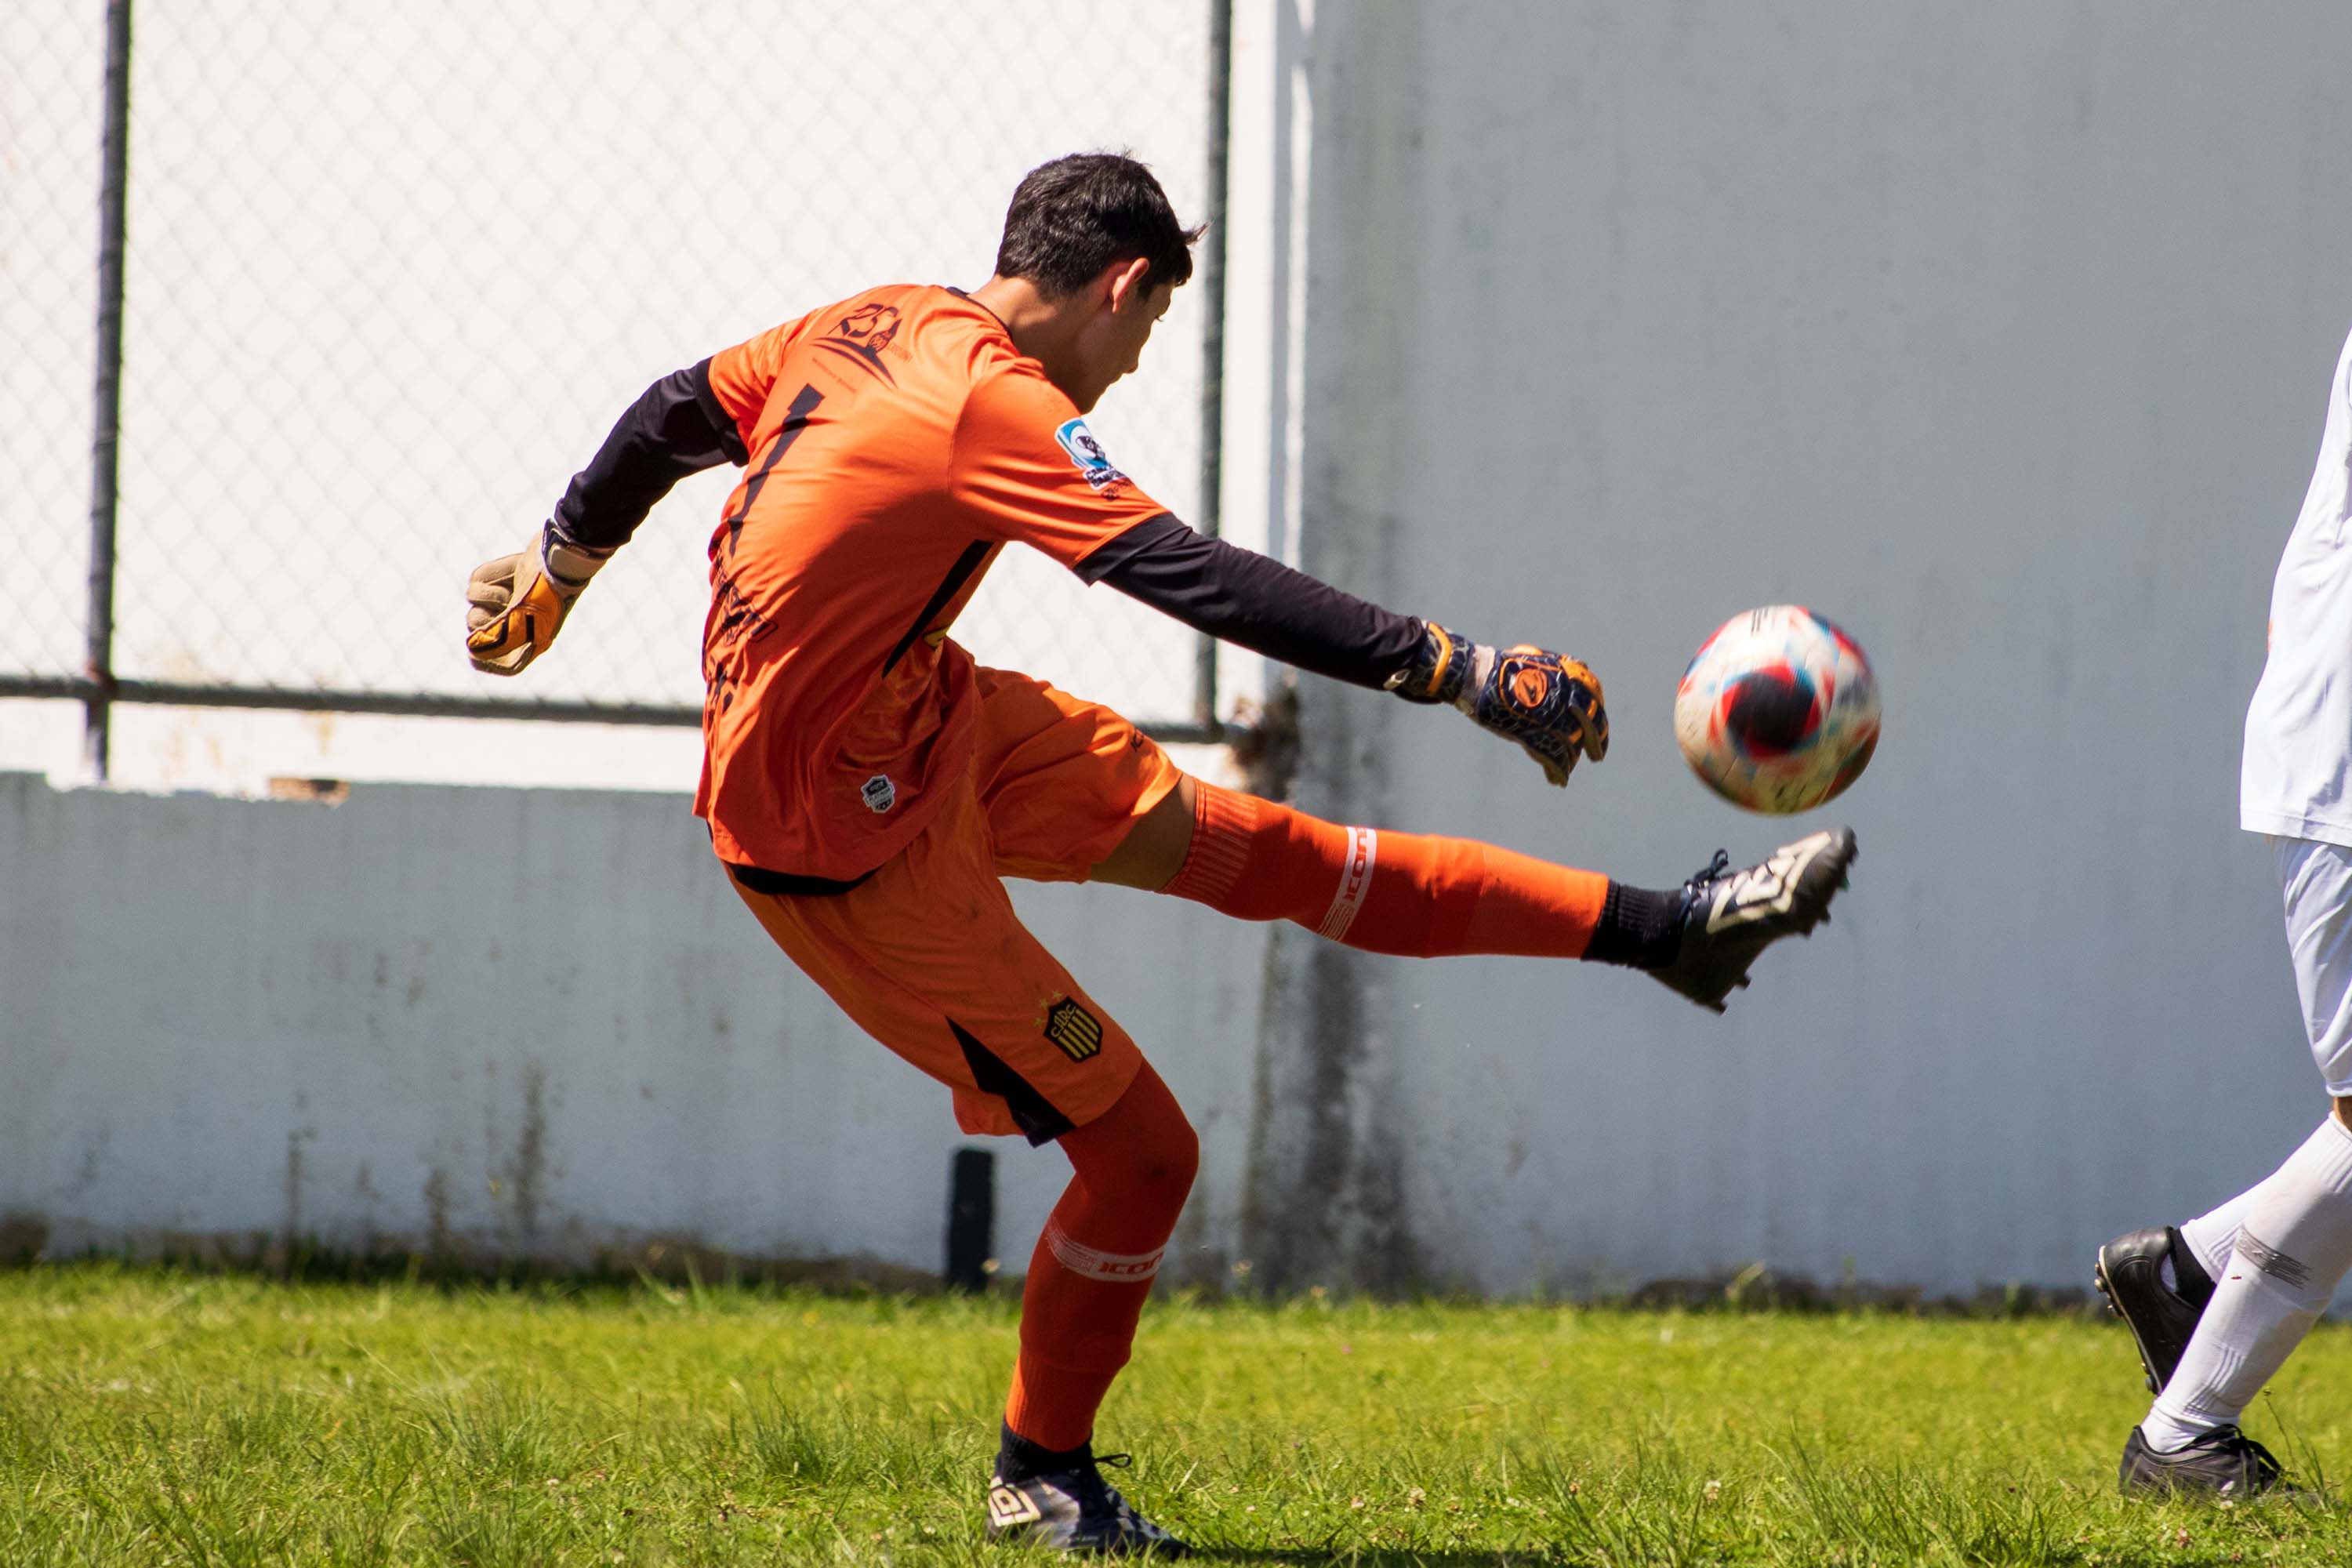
(515, 603)
(1550, 705)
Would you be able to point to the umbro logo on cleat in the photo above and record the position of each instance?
(1764, 891)
(1008, 1506)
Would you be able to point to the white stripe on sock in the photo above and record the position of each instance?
(1355, 881)
(1093, 1263)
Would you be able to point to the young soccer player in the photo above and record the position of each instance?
(868, 786)
(2217, 1304)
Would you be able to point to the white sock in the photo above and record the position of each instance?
(2211, 1235)
(2293, 1248)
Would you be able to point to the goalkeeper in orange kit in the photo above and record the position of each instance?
(868, 786)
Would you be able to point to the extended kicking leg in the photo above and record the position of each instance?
(1424, 896)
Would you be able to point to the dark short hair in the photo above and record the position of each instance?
(1076, 215)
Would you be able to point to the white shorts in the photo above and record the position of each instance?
(2317, 882)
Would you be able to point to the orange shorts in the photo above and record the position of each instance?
(927, 954)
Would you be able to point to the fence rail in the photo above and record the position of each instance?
(297, 288)
(99, 695)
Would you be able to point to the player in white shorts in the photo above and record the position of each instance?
(2216, 1305)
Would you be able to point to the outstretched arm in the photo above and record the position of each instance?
(1256, 601)
(517, 603)
(677, 429)
(687, 421)
(1551, 706)
(1031, 471)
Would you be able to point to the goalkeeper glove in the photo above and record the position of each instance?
(1551, 706)
(515, 603)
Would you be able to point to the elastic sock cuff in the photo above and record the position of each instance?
(1637, 928)
(1018, 1458)
(1222, 823)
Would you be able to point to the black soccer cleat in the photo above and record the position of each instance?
(2130, 1275)
(2225, 1463)
(1728, 917)
(1076, 1511)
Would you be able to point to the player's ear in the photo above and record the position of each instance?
(1127, 282)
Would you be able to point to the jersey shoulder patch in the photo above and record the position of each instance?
(1088, 456)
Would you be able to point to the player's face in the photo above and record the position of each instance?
(1112, 343)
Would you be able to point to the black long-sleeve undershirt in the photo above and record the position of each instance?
(677, 429)
(1256, 601)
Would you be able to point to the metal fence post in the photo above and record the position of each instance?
(1212, 357)
(113, 200)
(971, 1220)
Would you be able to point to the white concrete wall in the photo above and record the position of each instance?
(503, 1022)
(2000, 332)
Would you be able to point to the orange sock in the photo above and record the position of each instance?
(1095, 1262)
(1411, 894)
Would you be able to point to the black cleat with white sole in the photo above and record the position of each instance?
(2225, 1463)
(2130, 1275)
(1077, 1510)
(1728, 917)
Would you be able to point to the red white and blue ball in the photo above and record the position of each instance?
(1779, 711)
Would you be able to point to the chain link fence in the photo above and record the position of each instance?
(52, 65)
(391, 271)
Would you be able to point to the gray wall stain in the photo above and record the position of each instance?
(293, 1185)
(526, 1174)
(438, 1239)
(1325, 1202)
(93, 1158)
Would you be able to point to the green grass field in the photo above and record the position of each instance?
(148, 1417)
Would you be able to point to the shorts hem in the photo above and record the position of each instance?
(984, 1114)
(1147, 800)
(2286, 824)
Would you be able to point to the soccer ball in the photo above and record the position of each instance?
(1779, 711)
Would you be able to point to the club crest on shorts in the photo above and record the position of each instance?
(1088, 455)
(878, 794)
(1074, 1030)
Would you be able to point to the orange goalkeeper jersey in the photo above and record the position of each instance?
(898, 440)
